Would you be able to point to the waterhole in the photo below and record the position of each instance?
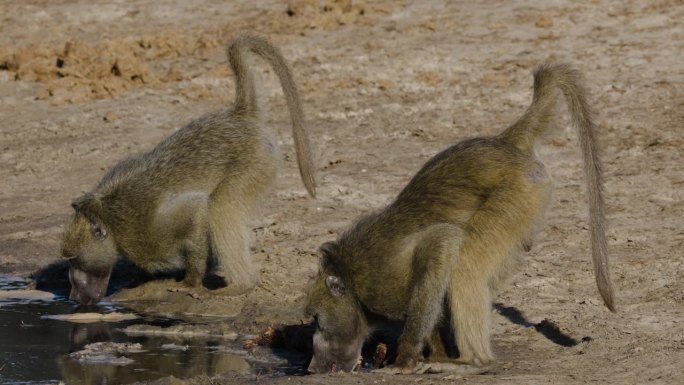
(38, 350)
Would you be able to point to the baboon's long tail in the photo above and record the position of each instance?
(547, 80)
(246, 101)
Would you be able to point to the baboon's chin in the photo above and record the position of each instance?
(86, 288)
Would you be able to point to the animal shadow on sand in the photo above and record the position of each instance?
(54, 278)
(546, 327)
(297, 339)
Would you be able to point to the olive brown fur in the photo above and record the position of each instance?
(192, 196)
(453, 235)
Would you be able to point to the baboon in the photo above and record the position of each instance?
(192, 195)
(453, 234)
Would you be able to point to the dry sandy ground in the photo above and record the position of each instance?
(386, 85)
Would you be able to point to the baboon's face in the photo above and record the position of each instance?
(340, 327)
(92, 253)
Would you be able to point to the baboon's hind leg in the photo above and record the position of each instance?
(230, 240)
(495, 233)
(230, 210)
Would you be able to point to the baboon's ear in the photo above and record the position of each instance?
(89, 206)
(335, 286)
(329, 249)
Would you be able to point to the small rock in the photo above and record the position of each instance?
(544, 22)
(111, 117)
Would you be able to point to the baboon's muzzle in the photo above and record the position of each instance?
(86, 288)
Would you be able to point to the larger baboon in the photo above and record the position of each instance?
(454, 232)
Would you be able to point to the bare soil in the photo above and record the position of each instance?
(386, 85)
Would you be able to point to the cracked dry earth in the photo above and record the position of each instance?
(386, 85)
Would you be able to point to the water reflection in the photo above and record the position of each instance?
(35, 350)
(154, 363)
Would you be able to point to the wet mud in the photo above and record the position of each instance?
(52, 340)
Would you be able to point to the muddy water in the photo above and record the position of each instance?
(37, 350)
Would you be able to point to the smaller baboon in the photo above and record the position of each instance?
(191, 196)
(453, 234)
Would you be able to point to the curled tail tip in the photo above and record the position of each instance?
(609, 298)
(311, 189)
(610, 303)
(307, 173)
(607, 294)
(305, 160)
(309, 180)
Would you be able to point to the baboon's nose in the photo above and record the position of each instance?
(83, 299)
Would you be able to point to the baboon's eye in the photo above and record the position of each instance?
(99, 232)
